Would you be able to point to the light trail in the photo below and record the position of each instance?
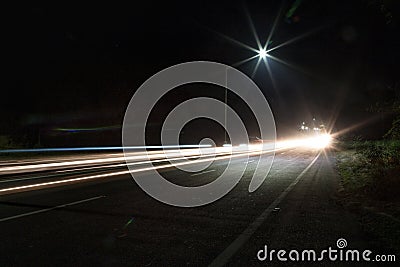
(72, 171)
(159, 156)
(198, 156)
(97, 176)
(66, 149)
(152, 155)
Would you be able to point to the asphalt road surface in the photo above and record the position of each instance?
(112, 222)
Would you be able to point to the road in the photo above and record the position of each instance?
(112, 222)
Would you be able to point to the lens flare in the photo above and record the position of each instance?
(262, 53)
(321, 141)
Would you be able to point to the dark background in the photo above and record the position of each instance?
(71, 70)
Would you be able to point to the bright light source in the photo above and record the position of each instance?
(262, 53)
(320, 141)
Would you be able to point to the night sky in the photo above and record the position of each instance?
(70, 68)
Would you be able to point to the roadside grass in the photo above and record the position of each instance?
(370, 179)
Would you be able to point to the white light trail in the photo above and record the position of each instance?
(97, 176)
(320, 141)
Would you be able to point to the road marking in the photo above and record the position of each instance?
(49, 209)
(251, 161)
(223, 258)
(199, 173)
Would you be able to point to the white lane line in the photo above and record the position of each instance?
(250, 161)
(49, 209)
(199, 173)
(223, 258)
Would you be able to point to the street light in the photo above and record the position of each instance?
(262, 53)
